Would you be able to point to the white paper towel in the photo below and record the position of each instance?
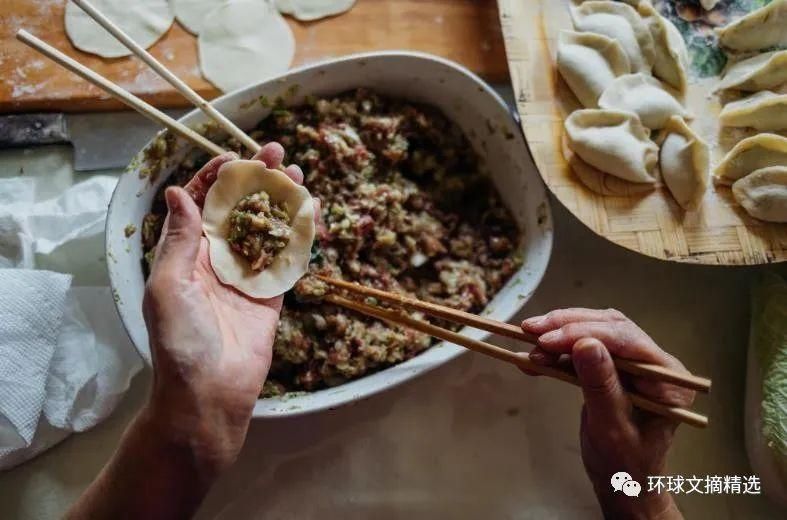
(65, 360)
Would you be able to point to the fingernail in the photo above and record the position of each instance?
(173, 204)
(591, 355)
(551, 336)
(535, 320)
(538, 357)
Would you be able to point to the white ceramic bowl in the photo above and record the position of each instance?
(463, 98)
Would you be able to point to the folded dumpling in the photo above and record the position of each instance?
(685, 163)
(645, 96)
(764, 111)
(760, 29)
(614, 142)
(754, 153)
(763, 193)
(762, 72)
(589, 63)
(671, 58)
(622, 23)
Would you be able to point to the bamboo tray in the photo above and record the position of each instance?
(719, 232)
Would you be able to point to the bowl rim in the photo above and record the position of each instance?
(261, 408)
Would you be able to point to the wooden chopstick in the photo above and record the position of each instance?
(117, 92)
(521, 360)
(165, 73)
(648, 370)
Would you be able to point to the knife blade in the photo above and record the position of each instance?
(101, 141)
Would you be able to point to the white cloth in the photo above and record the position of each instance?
(65, 360)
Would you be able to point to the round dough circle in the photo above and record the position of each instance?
(308, 10)
(235, 180)
(246, 42)
(191, 13)
(145, 21)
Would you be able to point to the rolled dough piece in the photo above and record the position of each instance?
(235, 180)
(145, 21)
(246, 42)
(308, 10)
(191, 13)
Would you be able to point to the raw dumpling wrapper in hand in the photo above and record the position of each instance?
(237, 179)
(613, 142)
(589, 63)
(754, 153)
(760, 29)
(623, 24)
(308, 10)
(763, 193)
(762, 72)
(685, 163)
(672, 58)
(764, 111)
(645, 96)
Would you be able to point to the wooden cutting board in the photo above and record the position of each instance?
(720, 232)
(466, 31)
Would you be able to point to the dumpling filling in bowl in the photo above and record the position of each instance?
(259, 229)
(407, 207)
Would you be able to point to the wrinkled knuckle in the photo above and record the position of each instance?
(615, 315)
(573, 330)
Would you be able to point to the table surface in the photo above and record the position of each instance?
(472, 439)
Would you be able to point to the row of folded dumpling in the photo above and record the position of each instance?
(627, 66)
(756, 167)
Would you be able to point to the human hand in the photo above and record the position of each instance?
(613, 435)
(211, 345)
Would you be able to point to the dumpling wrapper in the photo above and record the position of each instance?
(672, 57)
(246, 42)
(685, 163)
(622, 23)
(751, 154)
(645, 96)
(764, 111)
(763, 193)
(760, 29)
(145, 21)
(614, 142)
(235, 180)
(761, 72)
(192, 13)
(589, 63)
(308, 10)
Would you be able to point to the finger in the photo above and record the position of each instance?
(622, 338)
(542, 357)
(176, 253)
(295, 173)
(199, 185)
(605, 400)
(558, 318)
(272, 154)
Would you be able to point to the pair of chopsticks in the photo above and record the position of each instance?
(133, 101)
(520, 360)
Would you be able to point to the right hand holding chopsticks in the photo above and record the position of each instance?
(614, 435)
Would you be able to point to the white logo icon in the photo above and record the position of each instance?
(618, 479)
(632, 488)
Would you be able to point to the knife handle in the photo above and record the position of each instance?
(18, 130)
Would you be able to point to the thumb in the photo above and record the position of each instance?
(177, 251)
(605, 400)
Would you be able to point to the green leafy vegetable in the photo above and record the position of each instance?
(769, 341)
